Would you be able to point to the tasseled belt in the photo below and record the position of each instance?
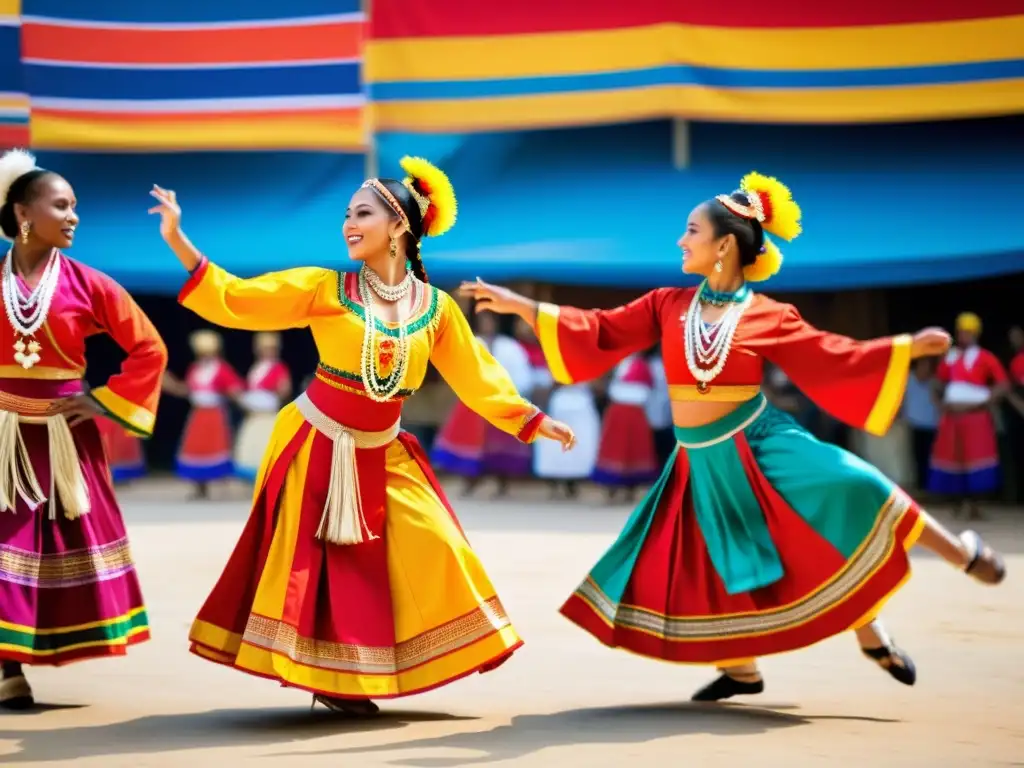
(342, 521)
(18, 478)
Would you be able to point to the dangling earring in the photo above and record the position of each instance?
(718, 266)
(393, 250)
(26, 227)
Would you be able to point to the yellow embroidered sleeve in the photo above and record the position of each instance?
(273, 302)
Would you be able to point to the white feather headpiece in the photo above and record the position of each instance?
(14, 163)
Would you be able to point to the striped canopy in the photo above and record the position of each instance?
(190, 74)
(465, 65)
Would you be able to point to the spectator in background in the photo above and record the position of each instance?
(965, 459)
(921, 409)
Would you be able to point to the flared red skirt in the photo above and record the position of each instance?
(756, 539)
(400, 614)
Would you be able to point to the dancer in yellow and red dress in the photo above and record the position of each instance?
(627, 457)
(757, 538)
(965, 456)
(268, 386)
(207, 443)
(352, 578)
(68, 586)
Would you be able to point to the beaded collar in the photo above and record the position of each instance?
(723, 298)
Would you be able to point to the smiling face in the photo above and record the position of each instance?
(369, 225)
(701, 248)
(50, 212)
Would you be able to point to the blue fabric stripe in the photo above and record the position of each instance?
(445, 461)
(126, 11)
(137, 84)
(687, 75)
(205, 473)
(980, 481)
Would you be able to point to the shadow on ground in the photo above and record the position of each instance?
(196, 730)
(527, 734)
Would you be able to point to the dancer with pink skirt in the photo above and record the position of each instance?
(68, 587)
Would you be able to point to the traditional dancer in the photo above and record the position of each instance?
(757, 538)
(268, 385)
(124, 451)
(204, 454)
(68, 588)
(352, 578)
(627, 457)
(965, 456)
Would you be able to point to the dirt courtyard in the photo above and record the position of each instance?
(563, 700)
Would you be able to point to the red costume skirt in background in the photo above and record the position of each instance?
(965, 457)
(206, 446)
(627, 456)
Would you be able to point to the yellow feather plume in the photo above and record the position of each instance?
(439, 190)
(766, 265)
(784, 221)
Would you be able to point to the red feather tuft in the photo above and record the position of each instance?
(428, 217)
(766, 206)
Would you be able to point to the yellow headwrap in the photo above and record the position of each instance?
(970, 322)
(205, 342)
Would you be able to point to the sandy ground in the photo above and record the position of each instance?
(563, 699)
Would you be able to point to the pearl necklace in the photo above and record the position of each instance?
(708, 344)
(378, 390)
(385, 291)
(26, 314)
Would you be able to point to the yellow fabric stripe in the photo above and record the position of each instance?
(220, 132)
(721, 393)
(10, 7)
(547, 335)
(828, 48)
(135, 416)
(929, 102)
(74, 627)
(894, 385)
(274, 584)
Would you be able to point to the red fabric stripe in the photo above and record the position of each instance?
(442, 18)
(78, 654)
(349, 116)
(352, 409)
(193, 280)
(203, 46)
(412, 445)
(529, 432)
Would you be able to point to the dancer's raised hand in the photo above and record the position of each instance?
(169, 210)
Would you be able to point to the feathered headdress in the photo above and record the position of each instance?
(433, 193)
(772, 204)
(14, 164)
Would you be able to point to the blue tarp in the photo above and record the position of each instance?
(883, 205)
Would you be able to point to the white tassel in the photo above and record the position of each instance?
(17, 478)
(66, 479)
(343, 521)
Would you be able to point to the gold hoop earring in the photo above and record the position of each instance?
(718, 266)
(26, 227)
(393, 249)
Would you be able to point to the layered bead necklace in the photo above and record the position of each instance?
(708, 344)
(377, 389)
(26, 314)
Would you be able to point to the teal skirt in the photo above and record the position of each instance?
(757, 538)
